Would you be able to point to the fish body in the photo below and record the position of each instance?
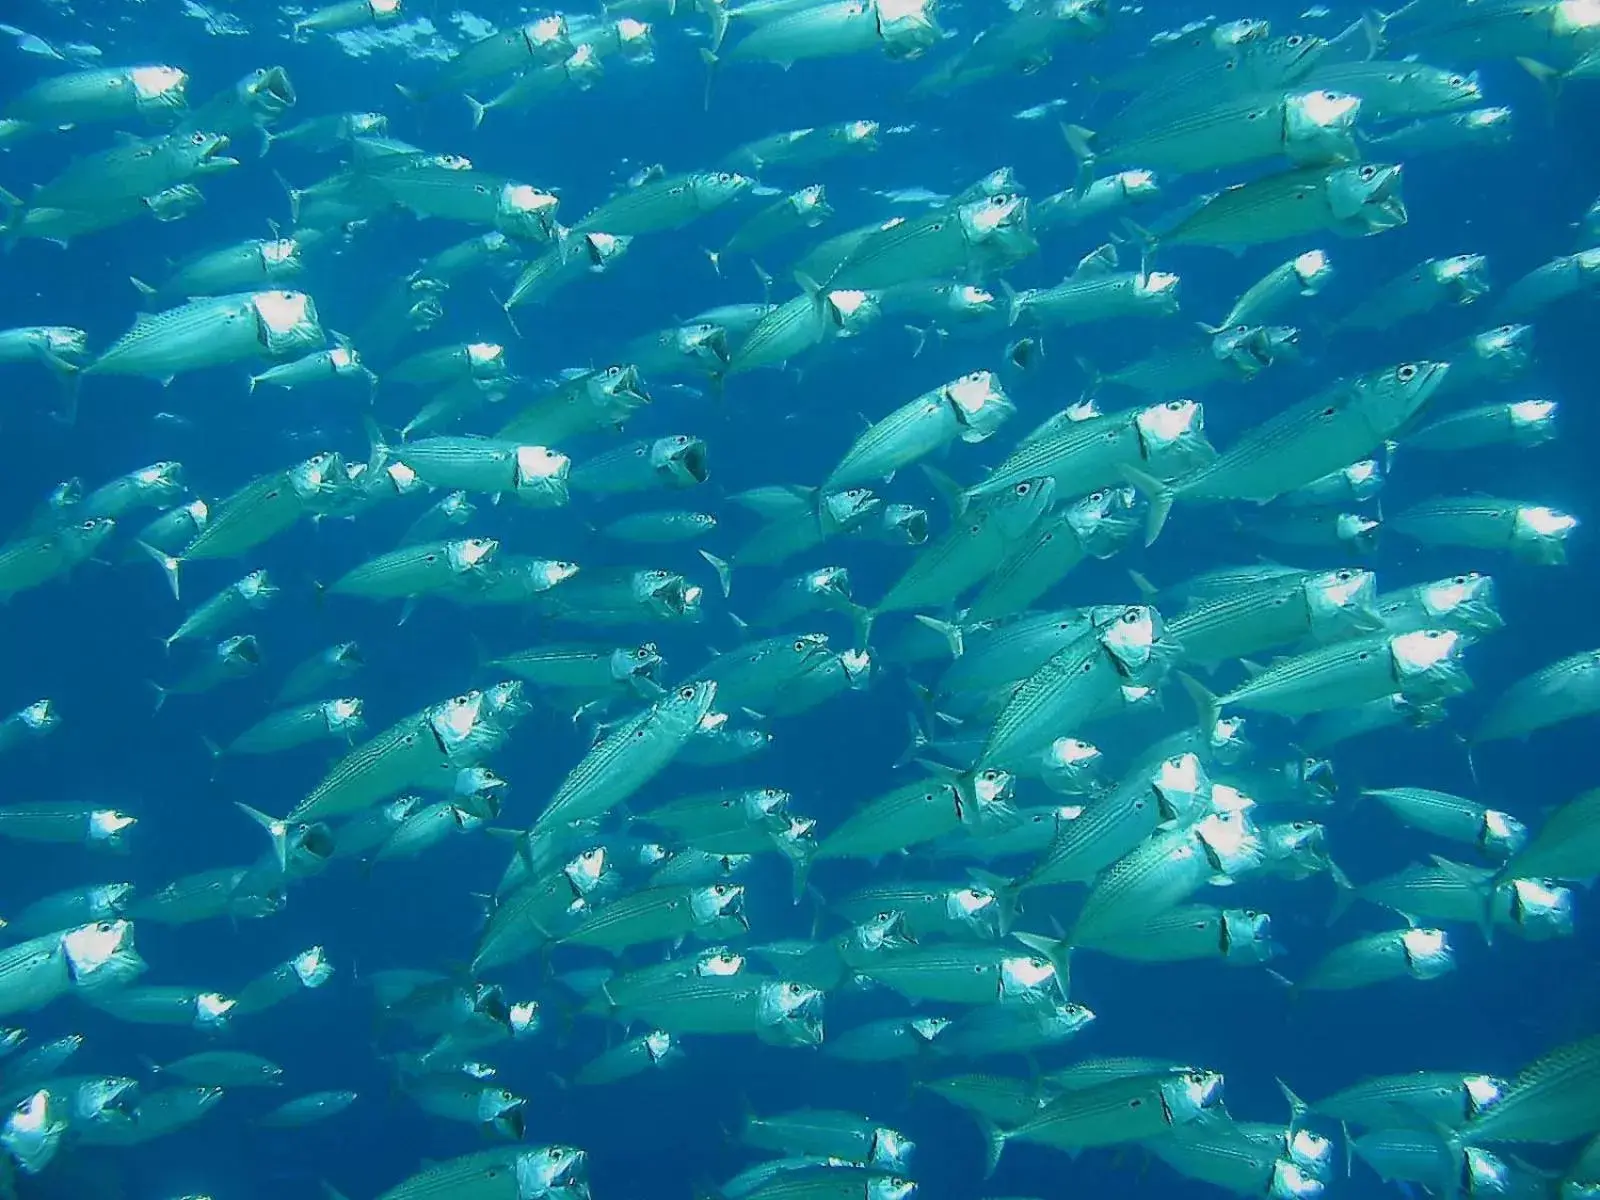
(1410, 953)
(666, 203)
(1535, 533)
(1567, 688)
(214, 332)
(1350, 201)
(157, 94)
(340, 718)
(1424, 665)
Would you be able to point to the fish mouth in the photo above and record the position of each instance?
(671, 594)
(272, 91)
(690, 461)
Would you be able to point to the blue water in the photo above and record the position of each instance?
(92, 643)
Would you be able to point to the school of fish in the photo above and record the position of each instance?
(1112, 771)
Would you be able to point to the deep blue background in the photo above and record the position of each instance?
(93, 644)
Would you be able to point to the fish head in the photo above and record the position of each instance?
(502, 1113)
(1359, 193)
(158, 89)
(111, 899)
(267, 93)
(679, 459)
(1393, 395)
(618, 386)
(286, 323)
(1504, 351)
(40, 717)
(906, 27)
(527, 212)
(485, 360)
(108, 829)
(1180, 785)
(1428, 662)
(1019, 508)
(890, 1150)
(842, 511)
(881, 933)
(542, 476)
(547, 40)
(1428, 952)
(1319, 126)
(1501, 834)
(685, 707)
(1541, 908)
(1341, 602)
(1484, 1173)
(1105, 520)
(33, 1128)
(1134, 640)
(717, 188)
(102, 954)
(1462, 601)
(1539, 533)
(1088, 18)
(63, 344)
(718, 901)
(791, 1013)
(1070, 766)
(905, 524)
(1029, 978)
(1313, 270)
(1187, 1094)
(974, 909)
(1297, 849)
(1533, 421)
(83, 538)
(312, 968)
(718, 962)
(1465, 277)
(979, 404)
(810, 204)
(703, 342)
(107, 1098)
(213, 1010)
(640, 662)
(1245, 936)
(659, 1046)
(550, 1169)
(1172, 436)
(1291, 1181)
(852, 309)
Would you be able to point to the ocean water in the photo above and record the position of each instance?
(93, 642)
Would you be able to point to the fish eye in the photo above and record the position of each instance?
(1294, 39)
(1131, 616)
(719, 890)
(1022, 489)
(686, 693)
(1456, 81)
(1241, 329)
(1088, 665)
(1406, 373)
(103, 927)
(1368, 172)
(1175, 405)
(793, 989)
(1096, 497)
(799, 645)
(557, 1154)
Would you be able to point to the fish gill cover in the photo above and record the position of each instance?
(798, 600)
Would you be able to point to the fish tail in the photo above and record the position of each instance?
(994, 1144)
(724, 570)
(477, 109)
(709, 57)
(1206, 705)
(1298, 1108)
(952, 633)
(161, 694)
(277, 832)
(1014, 304)
(1007, 895)
(167, 563)
(1547, 77)
(1158, 495)
(717, 15)
(1344, 895)
(1078, 139)
(1057, 951)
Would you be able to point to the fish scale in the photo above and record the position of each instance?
(374, 770)
(907, 816)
